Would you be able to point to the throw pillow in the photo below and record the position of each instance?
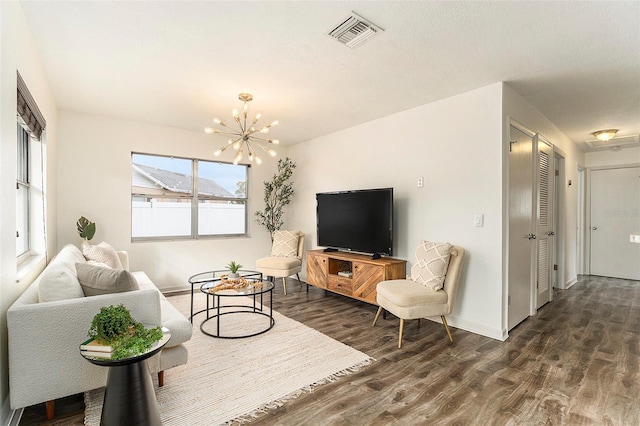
(285, 244)
(58, 282)
(102, 252)
(432, 261)
(97, 280)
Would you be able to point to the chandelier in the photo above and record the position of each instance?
(244, 136)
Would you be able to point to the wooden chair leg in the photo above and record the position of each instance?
(161, 378)
(400, 334)
(377, 316)
(49, 407)
(284, 285)
(446, 327)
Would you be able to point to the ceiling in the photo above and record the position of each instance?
(180, 63)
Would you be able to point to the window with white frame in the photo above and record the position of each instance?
(30, 193)
(174, 197)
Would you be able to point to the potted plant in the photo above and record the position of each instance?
(233, 268)
(277, 194)
(114, 328)
(86, 228)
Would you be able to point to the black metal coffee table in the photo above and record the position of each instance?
(227, 301)
(215, 277)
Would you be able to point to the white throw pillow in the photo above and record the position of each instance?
(102, 252)
(432, 262)
(58, 282)
(285, 243)
(97, 280)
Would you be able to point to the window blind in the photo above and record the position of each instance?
(29, 115)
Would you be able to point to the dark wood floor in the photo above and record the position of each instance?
(575, 363)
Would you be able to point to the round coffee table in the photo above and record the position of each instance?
(228, 302)
(129, 397)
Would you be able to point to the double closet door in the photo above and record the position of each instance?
(531, 207)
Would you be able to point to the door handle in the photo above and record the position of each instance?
(594, 228)
(531, 236)
(551, 233)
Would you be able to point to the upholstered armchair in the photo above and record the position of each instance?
(285, 258)
(429, 292)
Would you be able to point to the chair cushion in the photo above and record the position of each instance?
(432, 261)
(405, 293)
(97, 280)
(102, 252)
(285, 244)
(274, 262)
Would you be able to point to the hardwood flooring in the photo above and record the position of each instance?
(575, 363)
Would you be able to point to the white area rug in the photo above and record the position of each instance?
(234, 380)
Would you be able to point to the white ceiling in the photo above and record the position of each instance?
(180, 63)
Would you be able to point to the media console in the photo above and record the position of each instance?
(331, 270)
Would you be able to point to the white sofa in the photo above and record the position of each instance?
(44, 337)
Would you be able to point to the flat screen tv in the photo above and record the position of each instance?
(358, 220)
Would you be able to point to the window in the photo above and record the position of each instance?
(23, 194)
(186, 198)
(30, 171)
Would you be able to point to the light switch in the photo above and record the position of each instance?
(478, 220)
(634, 238)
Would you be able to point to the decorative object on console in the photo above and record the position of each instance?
(245, 134)
(277, 194)
(408, 299)
(286, 257)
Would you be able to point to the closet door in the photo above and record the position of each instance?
(544, 222)
(521, 226)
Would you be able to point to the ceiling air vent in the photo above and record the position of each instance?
(619, 141)
(353, 30)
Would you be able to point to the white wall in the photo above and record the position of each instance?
(519, 109)
(626, 156)
(455, 144)
(18, 53)
(94, 180)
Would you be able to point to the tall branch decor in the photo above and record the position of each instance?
(277, 193)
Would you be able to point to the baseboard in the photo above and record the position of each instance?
(569, 283)
(8, 416)
(475, 328)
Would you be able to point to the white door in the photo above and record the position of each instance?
(521, 226)
(615, 216)
(544, 222)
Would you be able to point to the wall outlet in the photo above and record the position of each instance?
(634, 238)
(420, 182)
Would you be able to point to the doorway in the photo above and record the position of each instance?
(614, 208)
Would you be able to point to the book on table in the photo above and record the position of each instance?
(97, 354)
(93, 345)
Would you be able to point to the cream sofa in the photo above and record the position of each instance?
(44, 337)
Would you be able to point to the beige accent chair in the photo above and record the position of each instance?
(283, 262)
(408, 299)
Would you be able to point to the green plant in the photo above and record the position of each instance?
(86, 228)
(114, 326)
(277, 194)
(233, 266)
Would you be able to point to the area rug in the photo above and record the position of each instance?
(235, 380)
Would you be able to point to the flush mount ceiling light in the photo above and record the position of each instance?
(245, 135)
(605, 135)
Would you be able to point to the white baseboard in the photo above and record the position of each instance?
(8, 416)
(570, 282)
(475, 328)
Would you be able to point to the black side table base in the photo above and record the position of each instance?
(129, 398)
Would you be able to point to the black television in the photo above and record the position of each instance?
(358, 220)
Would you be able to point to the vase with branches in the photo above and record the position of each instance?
(278, 192)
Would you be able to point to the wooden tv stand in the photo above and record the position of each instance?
(323, 268)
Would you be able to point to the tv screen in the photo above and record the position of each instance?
(359, 220)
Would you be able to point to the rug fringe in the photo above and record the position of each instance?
(248, 417)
